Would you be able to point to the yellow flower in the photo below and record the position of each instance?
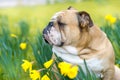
(45, 77)
(23, 45)
(48, 63)
(107, 17)
(13, 35)
(68, 69)
(64, 68)
(110, 18)
(34, 74)
(73, 72)
(26, 65)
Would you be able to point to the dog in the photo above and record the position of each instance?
(74, 37)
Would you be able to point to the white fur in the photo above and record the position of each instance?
(71, 50)
(60, 52)
(54, 36)
(67, 54)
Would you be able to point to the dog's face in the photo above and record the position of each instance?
(66, 27)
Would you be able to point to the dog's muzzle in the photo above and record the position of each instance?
(46, 31)
(52, 35)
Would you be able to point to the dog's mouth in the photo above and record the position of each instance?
(47, 40)
(53, 37)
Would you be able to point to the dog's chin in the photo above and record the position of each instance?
(54, 44)
(48, 42)
(59, 45)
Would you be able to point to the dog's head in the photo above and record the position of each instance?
(66, 26)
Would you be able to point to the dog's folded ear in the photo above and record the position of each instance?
(84, 19)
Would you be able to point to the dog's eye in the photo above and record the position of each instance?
(61, 24)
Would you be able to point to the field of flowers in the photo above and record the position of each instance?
(25, 56)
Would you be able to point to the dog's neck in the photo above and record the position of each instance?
(71, 51)
(67, 53)
(66, 50)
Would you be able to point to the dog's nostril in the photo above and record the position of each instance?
(50, 24)
(45, 31)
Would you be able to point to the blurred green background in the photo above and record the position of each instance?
(39, 15)
(26, 20)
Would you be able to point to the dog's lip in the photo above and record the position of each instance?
(46, 37)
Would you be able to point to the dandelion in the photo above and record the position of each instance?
(13, 35)
(73, 72)
(48, 63)
(110, 18)
(68, 69)
(26, 65)
(23, 45)
(45, 77)
(34, 74)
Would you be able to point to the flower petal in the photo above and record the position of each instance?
(48, 63)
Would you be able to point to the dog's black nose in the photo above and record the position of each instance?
(50, 24)
(45, 31)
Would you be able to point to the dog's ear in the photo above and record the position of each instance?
(84, 19)
(71, 8)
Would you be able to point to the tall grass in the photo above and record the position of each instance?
(10, 53)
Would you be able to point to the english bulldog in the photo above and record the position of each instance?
(74, 37)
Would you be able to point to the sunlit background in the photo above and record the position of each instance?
(39, 12)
